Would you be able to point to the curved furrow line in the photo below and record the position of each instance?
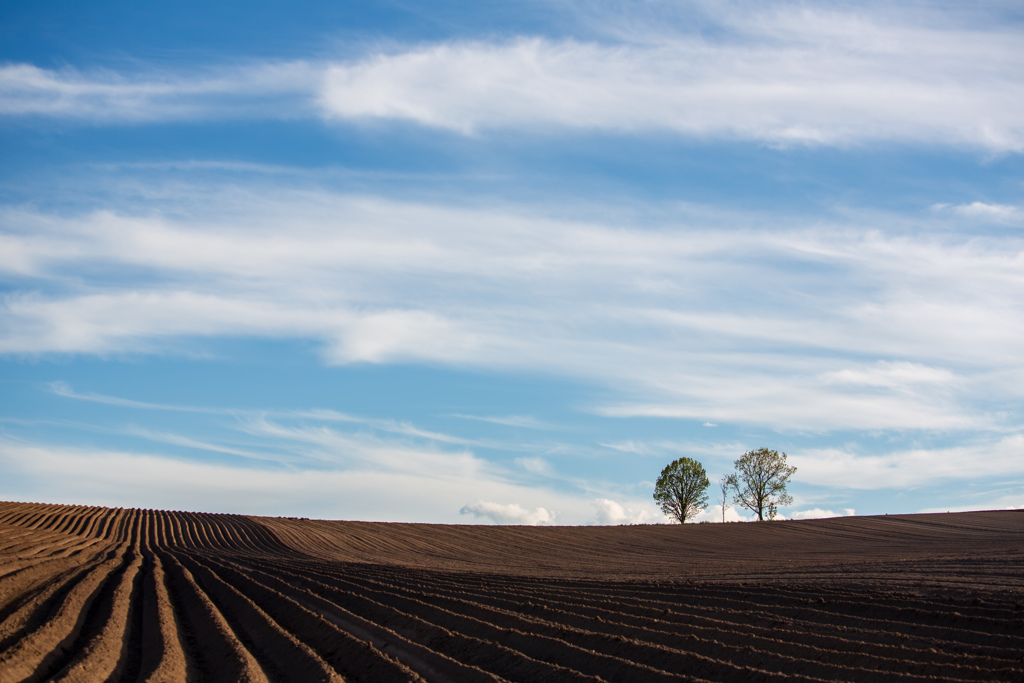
(746, 606)
(264, 537)
(14, 537)
(87, 515)
(189, 533)
(176, 530)
(522, 627)
(168, 531)
(17, 516)
(844, 660)
(212, 650)
(352, 657)
(102, 650)
(281, 656)
(490, 656)
(261, 539)
(45, 518)
(135, 528)
(31, 601)
(199, 528)
(65, 521)
(161, 530)
(749, 620)
(376, 637)
(744, 621)
(46, 545)
(956, 629)
(206, 530)
(162, 657)
(36, 514)
(629, 626)
(36, 543)
(983, 615)
(105, 530)
(805, 644)
(216, 530)
(233, 538)
(239, 536)
(126, 527)
(546, 649)
(585, 650)
(82, 520)
(837, 639)
(48, 639)
(595, 632)
(213, 531)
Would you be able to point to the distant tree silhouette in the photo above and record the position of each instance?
(759, 483)
(681, 489)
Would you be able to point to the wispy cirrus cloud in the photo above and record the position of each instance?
(372, 491)
(984, 211)
(524, 421)
(259, 90)
(860, 328)
(780, 74)
(980, 458)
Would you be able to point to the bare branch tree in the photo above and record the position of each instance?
(725, 484)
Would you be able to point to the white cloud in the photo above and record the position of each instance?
(629, 446)
(783, 74)
(259, 90)
(819, 513)
(788, 74)
(899, 330)
(713, 514)
(509, 514)
(352, 479)
(890, 374)
(998, 213)
(610, 512)
(535, 465)
(999, 457)
(526, 421)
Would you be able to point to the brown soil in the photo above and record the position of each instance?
(99, 594)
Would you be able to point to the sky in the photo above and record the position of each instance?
(481, 263)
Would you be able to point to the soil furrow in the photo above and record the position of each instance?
(741, 632)
(213, 651)
(282, 656)
(432, 665)
(90, 593)
(353, 657)
(102, 648)
(50, 642)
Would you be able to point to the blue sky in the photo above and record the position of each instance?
(502, 262)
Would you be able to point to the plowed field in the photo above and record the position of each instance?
(96, 594)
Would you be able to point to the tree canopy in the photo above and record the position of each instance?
(681, 489)
(760, 482)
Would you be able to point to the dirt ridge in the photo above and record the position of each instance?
(92, 593)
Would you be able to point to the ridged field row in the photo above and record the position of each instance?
(89, 593)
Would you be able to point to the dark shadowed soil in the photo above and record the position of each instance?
(96, 594)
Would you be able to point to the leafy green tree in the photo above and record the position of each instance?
(681, 489)
(759, 483)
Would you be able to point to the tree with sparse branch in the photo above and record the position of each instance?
(759, 483)
(681, 489)
(725, 484)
